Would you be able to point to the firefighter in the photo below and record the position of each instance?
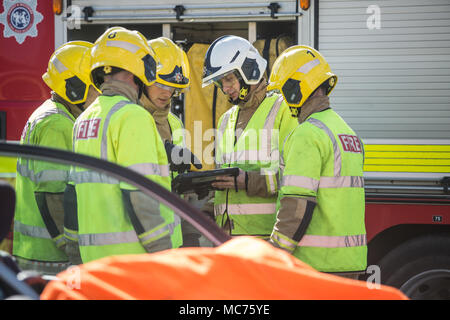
(38, 226)
(249, 137)
(113, 217)
(171, 79)
(320, 217)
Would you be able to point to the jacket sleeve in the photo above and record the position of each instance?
(145, 216)
(293, 219)
(299, 184)
(262, 184)
(51, 209)
(54, 132)
(71, 225)
(265, 183)
(139, 146)
(191, 236)
(141, 149)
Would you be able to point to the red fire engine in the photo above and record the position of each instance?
(407, 178)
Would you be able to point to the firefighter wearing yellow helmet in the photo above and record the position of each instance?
(172, 78)
(115, 218)
(320, 209)
(38, 226)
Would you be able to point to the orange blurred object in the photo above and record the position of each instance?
(304, 4)
(243, 268)
(57, 7)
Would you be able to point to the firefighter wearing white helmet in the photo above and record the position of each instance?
(249, 137)
(39, 243)
(232, 55)
(320, 212)
(115, 218)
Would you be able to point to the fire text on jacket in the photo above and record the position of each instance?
(88, 129)
(350, 143)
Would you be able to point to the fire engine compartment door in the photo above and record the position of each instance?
(171, 11)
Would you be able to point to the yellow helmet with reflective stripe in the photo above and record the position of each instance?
(298, 72)
(121, 48)
(68, 71)
(174, 70)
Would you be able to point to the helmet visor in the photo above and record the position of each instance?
(175, 91)
(220, 81)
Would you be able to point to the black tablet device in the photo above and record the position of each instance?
(195, 180)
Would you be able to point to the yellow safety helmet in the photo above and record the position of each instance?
(68, 71)
(121, 48)
(297, 73)
(175, 70)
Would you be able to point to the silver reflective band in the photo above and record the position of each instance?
(325, 182)
(268, 151)
(31, 231)
(151, 169)
(103, 239)
(270, 123)
(58, 65)
(44, 115)
(282, 162)
(42, 176)
(342, 182)
(122, 44)
(308, 66)
(79, 177)
(91, 177)
(283, 242)
(104, 143)
(333, 241)
(224, 123)
(60, 241)
(300, 182)
(252, 208)
(249, 155)
(271, 180)
(70, 235)
(337, 152)
(168, 227)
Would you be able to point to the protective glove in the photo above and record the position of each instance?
(180, 158)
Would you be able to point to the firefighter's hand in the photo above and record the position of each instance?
(180, 158)
(227, 182)
(201, 193)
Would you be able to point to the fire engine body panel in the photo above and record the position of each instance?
(393, 64)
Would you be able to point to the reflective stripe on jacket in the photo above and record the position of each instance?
(115, 129)
(323, 158)
(256, 149)
(50, 125)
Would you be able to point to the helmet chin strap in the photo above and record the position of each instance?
(295, 112)
(243, 92)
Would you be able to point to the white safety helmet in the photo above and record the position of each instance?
(232, 53)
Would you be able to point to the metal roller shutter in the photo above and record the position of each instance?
(394, 82)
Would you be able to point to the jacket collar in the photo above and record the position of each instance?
(73, 109)
(313, 105)
(255, 96)
(117, 87)
(160, 115)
